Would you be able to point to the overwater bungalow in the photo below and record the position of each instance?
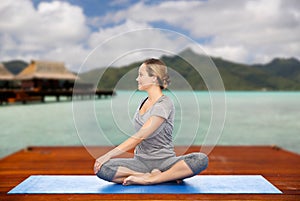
(6, 78)
(46, 75)
(42, 79)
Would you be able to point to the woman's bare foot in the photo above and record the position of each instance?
(138, 179)
(143, 179)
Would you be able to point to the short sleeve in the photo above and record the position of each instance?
(162, 109)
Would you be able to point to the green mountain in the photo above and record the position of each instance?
(111, 76)
(244, 77)
(286, 68)
(279, 74)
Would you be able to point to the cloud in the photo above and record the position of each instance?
(40, 31)
(129, 42)
(170, 12)
(105, 34)
(251, 31)
(260, 29)
(59, 31)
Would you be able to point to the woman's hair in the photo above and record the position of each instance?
(157, 68)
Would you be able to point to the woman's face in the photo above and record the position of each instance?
(143, 79)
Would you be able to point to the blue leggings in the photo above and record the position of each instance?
(196, 161)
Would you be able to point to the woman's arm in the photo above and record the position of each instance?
(152, 124)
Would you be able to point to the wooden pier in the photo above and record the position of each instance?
(280, 167)
(25, 96)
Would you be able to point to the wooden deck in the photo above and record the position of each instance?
(280, 167)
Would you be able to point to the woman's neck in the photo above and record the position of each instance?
(154, 94)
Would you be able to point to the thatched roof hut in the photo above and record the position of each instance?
(5, 74)
(39, 75)
(46, 70)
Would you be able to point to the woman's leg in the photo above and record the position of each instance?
(116, 170)
(187, 166)
(178, 171)
(124, 172)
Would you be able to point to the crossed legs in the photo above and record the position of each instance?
(179, 170)
(133, 171)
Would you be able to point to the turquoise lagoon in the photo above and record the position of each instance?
(250, 118)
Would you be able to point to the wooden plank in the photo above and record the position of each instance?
(280, 167)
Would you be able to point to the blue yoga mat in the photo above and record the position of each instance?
(87, 184)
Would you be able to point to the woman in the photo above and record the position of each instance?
(154, 157)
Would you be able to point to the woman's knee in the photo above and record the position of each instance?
(197, 162)
(107, 172)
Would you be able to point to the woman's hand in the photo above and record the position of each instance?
(99, 162)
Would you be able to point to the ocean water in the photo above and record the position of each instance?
(243, 118)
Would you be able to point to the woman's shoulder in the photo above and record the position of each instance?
(165, 100)
(163, 107)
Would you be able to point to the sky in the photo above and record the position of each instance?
(243, 31)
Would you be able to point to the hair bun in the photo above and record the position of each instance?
(166, 81)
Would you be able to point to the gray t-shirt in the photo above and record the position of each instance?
(158, 145)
